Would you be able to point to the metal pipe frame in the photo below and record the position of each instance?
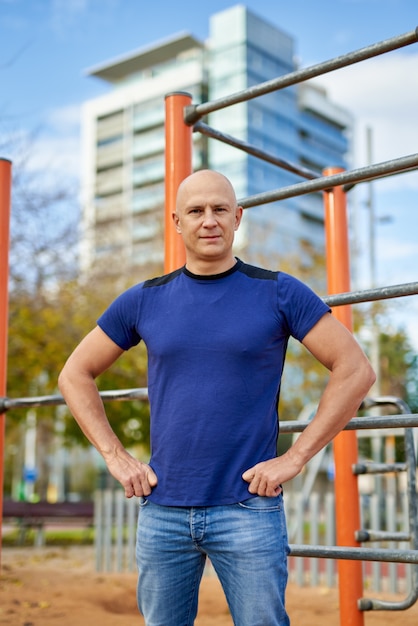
(204, 129)
(360, 423)
(347, 179)
(355, 554)
(367, 604)
(194, 112)
(377, 422)
(368, 295)
(325, 183)
(141, 393)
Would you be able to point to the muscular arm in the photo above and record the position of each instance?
(94, 355)
(351, 377)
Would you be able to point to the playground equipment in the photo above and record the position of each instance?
(182, 119)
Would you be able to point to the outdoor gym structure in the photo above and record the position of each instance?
(182, 119)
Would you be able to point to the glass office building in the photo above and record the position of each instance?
(123, 142)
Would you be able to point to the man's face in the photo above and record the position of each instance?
(207, 216)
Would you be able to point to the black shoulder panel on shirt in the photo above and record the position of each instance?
(257, 272)
(162, 280)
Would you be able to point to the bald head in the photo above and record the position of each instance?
(202, 181)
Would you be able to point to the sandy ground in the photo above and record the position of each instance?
(59, 587)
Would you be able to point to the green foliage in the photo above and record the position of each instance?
(304, 378)
(45, 328)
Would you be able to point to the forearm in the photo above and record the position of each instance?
(85, 404)
(349, 382)
(84, 401)
(339, 403)
(94, 355)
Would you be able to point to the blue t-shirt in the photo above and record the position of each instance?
(216, 347)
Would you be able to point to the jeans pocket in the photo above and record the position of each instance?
(143, 502)
(262, 503)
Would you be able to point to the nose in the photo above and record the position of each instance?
(209, 218)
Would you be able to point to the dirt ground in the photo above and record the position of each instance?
(59, 586)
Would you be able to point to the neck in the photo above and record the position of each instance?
(208, 268)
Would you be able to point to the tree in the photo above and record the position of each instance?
(50, 310)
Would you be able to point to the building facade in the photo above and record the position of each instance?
(123, 142)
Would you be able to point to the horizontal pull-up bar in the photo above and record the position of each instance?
(194, 112)
(371, 295)
(360, 423)
(362, 174)
(204, 129)
(141, 393)
(355, 554)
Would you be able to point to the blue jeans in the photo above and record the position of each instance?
(246, 544)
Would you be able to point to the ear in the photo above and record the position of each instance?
(176, 221)
(238, 216)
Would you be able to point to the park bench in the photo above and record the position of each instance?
(37, 515)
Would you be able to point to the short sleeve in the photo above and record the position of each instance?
(119, 321)
(299, 305)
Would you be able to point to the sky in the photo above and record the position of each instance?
(46, 46)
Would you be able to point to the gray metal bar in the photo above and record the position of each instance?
(386, 401)
(364, 534)
(357, 423)
(378, 468)
(360, 423)
(55, 400)
(367, 604)
(194, 113)
(362, 174)
(355, 554)
(204, 129)
(367, 295)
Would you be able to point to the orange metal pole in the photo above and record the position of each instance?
(350, 573)
(5, 195)
(178, 165)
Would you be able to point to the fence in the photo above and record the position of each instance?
(116, 518)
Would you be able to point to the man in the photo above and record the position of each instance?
(216, 332)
